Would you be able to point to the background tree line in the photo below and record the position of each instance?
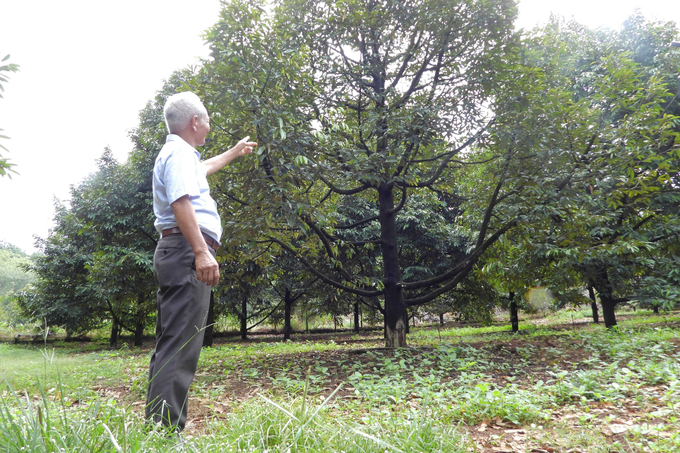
(415, 157)
(13, 277)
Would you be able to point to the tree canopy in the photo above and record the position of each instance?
(599, 121)
(356, 118)
(411, 154)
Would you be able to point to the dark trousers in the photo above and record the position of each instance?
(183, 303)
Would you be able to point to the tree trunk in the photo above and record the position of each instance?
(115, 330)
(140, 321)
(608, 305)
(385, 327)
(139, 333)
(599, 278)
(441, 319)
(210, 323)
(596, 315)
(514, 317)
(396, 317)
(356, 317)
(288, 305)
(656, 308)
(306, 318)
(593, 305)
(244, 317)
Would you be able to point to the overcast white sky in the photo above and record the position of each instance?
(88, 67)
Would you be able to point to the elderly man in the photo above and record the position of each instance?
(184, 261)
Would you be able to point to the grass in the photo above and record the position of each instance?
(573, 387)
(80, 374)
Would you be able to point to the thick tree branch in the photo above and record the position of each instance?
(266, 317)
(401, 202)
(344, 191)
(438, 292)
(405, 161)
(375, 306)
(446, 161)
(323, 237)
(460, 162)
(489, 210)
(636, 227)
(117, 319)
(470, 259)
(413, 46)
(313, 270)
(233, 198)
(357, 224)
(438, 67)
(417, 76)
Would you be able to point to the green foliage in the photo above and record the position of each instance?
(355, 125)
(115, 208)
(563, 388)
(61, 294)
(384, 177)
(5, 68)
(473, 300)
(50, 424)
(14, 276)
(597, 191)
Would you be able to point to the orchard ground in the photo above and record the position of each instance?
(562, 384)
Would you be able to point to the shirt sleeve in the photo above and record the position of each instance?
(179, 176)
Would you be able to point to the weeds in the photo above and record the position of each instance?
(324, 397)
(46, 424)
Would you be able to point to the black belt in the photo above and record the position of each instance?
(208, 240)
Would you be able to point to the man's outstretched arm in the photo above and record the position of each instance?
(215, 164)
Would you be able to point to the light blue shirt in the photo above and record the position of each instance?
(178, 171)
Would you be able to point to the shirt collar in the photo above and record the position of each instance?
(177, 138)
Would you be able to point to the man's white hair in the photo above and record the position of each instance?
(180, 108)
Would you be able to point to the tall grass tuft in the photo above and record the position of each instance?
(49, 425)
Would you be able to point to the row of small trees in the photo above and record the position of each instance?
(412, 155)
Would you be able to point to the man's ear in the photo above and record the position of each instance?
(194, 123)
